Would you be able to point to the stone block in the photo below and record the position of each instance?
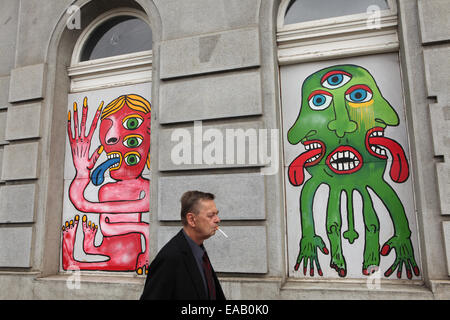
(20, 161)
(233, 145)
(434, 22)
(443, 178)
(227, 50)
(440, 127)
(17, 203)
(23, 122)
(8, 34)
(37, 21)
(27, 83)
(3, 115)
(244, 251)
(187, 18)
(1, 162)
(239, 196)
(211, 97)
(15, 247)
(446, 230)
(4, 92)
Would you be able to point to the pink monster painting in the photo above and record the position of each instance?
(125, 138)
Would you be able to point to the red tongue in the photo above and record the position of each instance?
(399, 169)
(296, 174)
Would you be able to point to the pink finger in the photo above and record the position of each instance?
(75, 119)
(84, 118)
(95, 121)
(69, 127)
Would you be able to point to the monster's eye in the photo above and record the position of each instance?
(132, 141)
(132, 158)
(335, 79)
(358, 94)
(132, 122)
(319, 100)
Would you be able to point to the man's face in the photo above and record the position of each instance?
(207, 219)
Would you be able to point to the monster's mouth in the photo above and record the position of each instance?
(115, 164)
(375, 149)
(377, 144)
(344, 160)
(314, 152)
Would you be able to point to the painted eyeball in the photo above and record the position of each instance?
(132, 141)
(132, 122)
(335, 79)
(132, 158)
(319, 100)
(359, 94)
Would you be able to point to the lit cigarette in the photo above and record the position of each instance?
(222, 232)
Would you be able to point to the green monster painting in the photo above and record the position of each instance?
(341, 125)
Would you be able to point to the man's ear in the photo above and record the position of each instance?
(190, 218)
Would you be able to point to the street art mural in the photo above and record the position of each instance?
(345, 159)
(108, 194)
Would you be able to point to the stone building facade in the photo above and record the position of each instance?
(226, 80)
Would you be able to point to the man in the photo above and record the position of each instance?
(181, 270)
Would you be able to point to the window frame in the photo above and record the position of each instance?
(112, 71)
(335, 37)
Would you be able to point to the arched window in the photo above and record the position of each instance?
(115, 49)
(321, 9)
(107, 158)
(116, 36)
(348, 193)
(311, 30)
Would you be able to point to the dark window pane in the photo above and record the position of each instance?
(308, 10)
(119, 35)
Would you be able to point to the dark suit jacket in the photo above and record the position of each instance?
(174, 274)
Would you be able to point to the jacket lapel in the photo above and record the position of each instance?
(191, 266)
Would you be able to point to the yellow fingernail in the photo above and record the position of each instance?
(101, 106)
(68, 117)
(85, 102)
(100, 150)
(75, 107)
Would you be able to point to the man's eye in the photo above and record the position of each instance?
(132, 123)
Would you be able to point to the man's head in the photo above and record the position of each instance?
(199, 214)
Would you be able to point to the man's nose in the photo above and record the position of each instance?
(342, 123)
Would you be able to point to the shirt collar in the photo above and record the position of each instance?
(197, 250)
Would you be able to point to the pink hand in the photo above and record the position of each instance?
(80, 144)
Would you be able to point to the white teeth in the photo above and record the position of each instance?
(377, 134)
(312, 146)
(378, 150)
(113, 155)
(313, 158)
(344, 161)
